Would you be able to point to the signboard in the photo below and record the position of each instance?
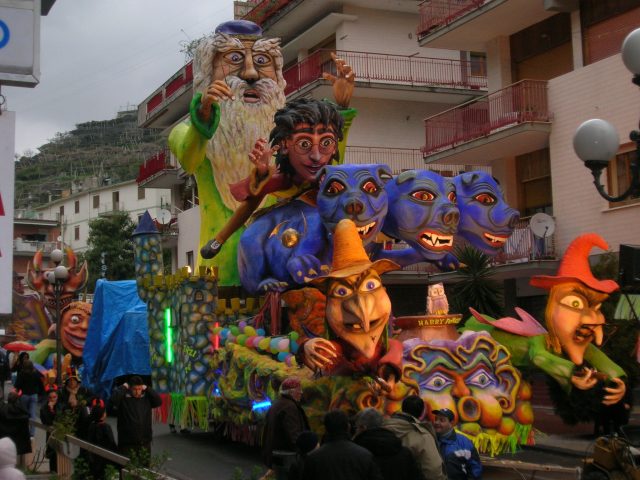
(7, 135)
(20, 42)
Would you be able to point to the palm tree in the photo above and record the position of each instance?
(477, 288)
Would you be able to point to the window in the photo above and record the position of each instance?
(190, 259)
(61, 212)
(534, 179)
(96, 201)
(76, 232)
(619, 175)
(115, 198)
(141, 193)
(77, 206)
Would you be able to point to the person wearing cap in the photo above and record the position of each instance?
(418, 437)
(461, 459)
(568, 352)
(135, 403)
(339, 458)
(285, 421)
(395, 461)
(101, 435)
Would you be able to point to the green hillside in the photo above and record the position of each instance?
(103, 149)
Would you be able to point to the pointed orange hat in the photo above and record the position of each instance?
(575, 266)
(349, 255)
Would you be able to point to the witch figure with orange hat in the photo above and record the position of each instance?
(357, 315)
(567, 351)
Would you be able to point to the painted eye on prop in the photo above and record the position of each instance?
(370, 284)
(485, 198)
(334, 188)
(261, 59)
(423, 195)
(234, 57)
(75, 319)
(326, 143)
(482, 379)
(304, 144)
(370, 187)
(341, 291)
(437, 382)
(573, 301)
(452, 197)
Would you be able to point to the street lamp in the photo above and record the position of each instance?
(56, 278)
(596, 141)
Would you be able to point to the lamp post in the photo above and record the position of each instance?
(56, 278)
(596, 141)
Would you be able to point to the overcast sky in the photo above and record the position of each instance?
(97, 56)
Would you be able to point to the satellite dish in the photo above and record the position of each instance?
(542, 225)
(164, 216)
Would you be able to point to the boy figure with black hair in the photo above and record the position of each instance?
(461, 459)
(135, 403)
(418, 437)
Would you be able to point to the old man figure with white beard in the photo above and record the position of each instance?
(238, 87)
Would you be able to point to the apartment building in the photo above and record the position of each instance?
(32, 232)
(77, 207)
(551, 65)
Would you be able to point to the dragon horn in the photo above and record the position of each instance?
(71, 258)
(35, 276)
(37, 261)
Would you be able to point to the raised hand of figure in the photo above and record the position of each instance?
(261, 155)
(614, 394)
(216, 92)
(343, 83)
(319, 353)
(585, 379)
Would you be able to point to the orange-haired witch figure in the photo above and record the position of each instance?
(568, 352)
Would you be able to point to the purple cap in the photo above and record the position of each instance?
(445, 412)
(242, 28)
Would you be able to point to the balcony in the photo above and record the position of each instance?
(159, 171)
(28, 247)
(401, 159)
(391, 73)
(470, 24)
(169, 103)
(511, 121)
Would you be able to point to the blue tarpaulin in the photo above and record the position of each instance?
(118, 336)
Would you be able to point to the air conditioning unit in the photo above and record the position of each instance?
(561, 5)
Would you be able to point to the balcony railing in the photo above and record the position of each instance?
(20, 245)
(384, 68)
(525, 101)
(439, 13)
(162, 160)
(264, 10)
(401, 159)
(179, 82)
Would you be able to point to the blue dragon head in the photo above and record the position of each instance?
(486, 221)
(422, 212)
(356, 192)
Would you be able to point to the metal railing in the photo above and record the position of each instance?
(20, 245)
(381, 67)
(154, 164)
(264, 10)
(523, 245)
(524, 101)
(440, 13)
(401, 159)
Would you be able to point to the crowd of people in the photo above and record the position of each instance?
(367, 446)
(35, 397)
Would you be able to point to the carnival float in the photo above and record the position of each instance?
(302, 231)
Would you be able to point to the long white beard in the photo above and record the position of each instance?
(241, 124)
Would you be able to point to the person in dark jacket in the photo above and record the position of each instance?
(461, 459)
(306, 443)
(48, 413)
(101, 435)
(76, 398)
(14, 423)
(135, 403)
(339, 458)
(395, 461)
(29, 382)
(285, 421)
